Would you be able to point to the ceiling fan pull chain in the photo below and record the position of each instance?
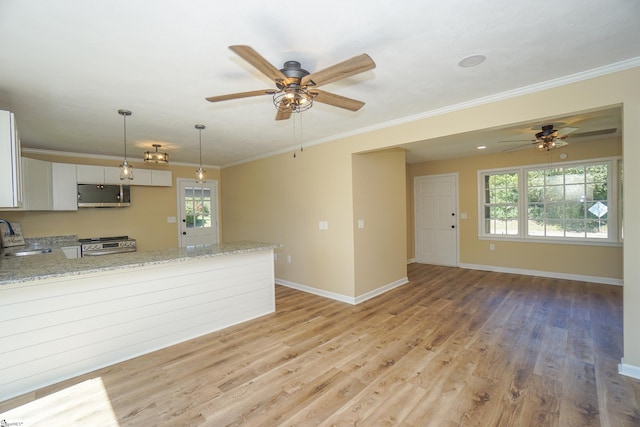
(301, 147)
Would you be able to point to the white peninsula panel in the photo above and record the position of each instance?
(59, 327)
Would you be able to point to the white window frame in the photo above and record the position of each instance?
(613, 217)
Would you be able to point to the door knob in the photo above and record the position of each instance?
(184, 233)
(453, 226)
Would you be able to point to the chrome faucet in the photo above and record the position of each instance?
(11, 232)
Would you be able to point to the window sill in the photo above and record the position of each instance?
(552, 241)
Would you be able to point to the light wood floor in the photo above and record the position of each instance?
(452, 347)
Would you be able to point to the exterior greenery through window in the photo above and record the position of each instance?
(568, 202)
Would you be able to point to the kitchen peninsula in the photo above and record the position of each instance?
(63, 317)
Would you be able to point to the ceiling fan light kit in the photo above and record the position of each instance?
(156, 156)
(549, 139)
(296, 87)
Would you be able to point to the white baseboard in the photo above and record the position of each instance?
(340, 297)
(579, 277)
(411, 260)
(381, 290)
(629, 370)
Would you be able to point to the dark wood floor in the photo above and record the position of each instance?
(453, 347)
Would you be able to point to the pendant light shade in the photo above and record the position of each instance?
(156, 156)
(201, 174)
(126, 170)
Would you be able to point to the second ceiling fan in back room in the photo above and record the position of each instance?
(549, 138)
(296, 88)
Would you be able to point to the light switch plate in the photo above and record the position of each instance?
(361, 223)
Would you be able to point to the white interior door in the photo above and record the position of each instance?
(436, 219)
(198, 210)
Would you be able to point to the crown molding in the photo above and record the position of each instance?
(525, 90)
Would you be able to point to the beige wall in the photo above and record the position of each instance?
(379, 200)
(318, 186)
(282, 199)
(145, 220)
(595, 261)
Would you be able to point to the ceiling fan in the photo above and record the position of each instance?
(295, 87)
(549, 138)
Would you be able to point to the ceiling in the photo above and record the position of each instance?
(68, 66)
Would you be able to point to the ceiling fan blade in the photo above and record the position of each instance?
(241, 95)
(344, 69)
(258, 62)
(516, 148)
(517, 140)
(283, 114)
(595, 133)
(336, 100)
(566, 131)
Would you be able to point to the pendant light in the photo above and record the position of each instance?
(126, 170)
(201, 174)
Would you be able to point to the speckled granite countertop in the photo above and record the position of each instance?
(55, 264)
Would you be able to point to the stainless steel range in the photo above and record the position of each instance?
(107, 245)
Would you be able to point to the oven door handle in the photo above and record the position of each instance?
(108, 251)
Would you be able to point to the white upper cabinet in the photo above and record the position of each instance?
(89, 174)
(64, 187)
(36, 177)
(10, 164)
(161, 178)
(141, 177)
(49, 186)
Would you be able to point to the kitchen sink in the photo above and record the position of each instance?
(29, 252)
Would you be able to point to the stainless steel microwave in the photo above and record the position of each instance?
(103, 196)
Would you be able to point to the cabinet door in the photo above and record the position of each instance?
(89, 174)
(64, 187)
(161, 178)
(140, 177)
(36, 176)
(10, 164)
(112, 176)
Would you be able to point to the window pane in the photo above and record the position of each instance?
(597, 229)
(574, 175)
(554, 177)
(575, 228)
(554, 228)
(501, 204)
(536, 194)
(535, 178)
(574, 192)
(554, 211)
(554, 194)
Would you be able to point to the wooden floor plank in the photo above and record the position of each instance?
(453, 347)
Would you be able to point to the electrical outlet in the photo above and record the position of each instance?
(289, 259)
(492, 247)
(361, 223)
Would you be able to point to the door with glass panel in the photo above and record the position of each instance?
(198, 210)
